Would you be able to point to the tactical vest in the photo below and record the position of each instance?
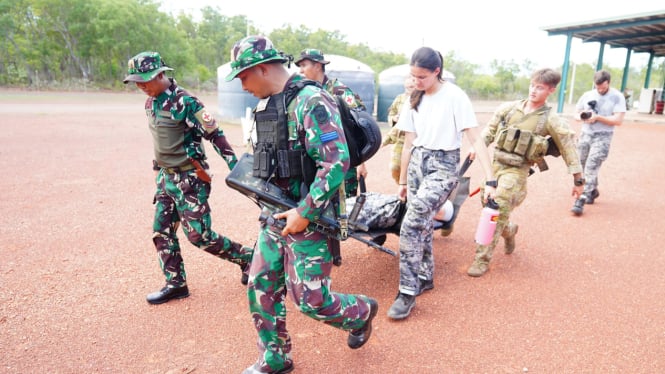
(519, 146)
(168, 136)
(273, 156)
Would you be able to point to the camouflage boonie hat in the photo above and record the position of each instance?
(144, 67)
(251, 51)
(311, 54)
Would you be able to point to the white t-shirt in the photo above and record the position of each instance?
(440, 119)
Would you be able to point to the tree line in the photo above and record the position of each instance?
(74, 44)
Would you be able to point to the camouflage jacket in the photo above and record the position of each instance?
(512, 114)
(396, 106)
(337, 88)
(314, 111)
(178, 122)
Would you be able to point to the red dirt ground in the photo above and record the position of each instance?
(579, 295)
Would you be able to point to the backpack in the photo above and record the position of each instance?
(362, 132)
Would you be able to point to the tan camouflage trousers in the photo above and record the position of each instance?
(510, 193)
(396, 156)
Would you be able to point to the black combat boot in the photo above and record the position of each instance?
(578, 208)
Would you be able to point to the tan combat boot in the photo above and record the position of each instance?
(509, 237)
(478, 268)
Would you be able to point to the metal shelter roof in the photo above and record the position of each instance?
(644, 32)
(640, 33)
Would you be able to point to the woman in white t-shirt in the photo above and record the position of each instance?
(434, 119)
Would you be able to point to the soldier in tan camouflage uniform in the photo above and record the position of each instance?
(395, 136)
(520, 130)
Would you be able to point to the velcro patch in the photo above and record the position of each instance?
(206, 119)
(329, 136)
(320, 113)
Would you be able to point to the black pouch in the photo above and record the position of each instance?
(552, 149)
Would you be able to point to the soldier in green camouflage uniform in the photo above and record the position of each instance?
(312, 65)
(512, 167)
(296, 258)
(178, 123)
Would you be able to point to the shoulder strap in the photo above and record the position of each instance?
(291, 92)
(294, 87)
(542, 120)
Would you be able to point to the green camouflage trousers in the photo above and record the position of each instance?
(431, 177)
(184, 197)
(300, 264)
(593, 150)
(510, 193)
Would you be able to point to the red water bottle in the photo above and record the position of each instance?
(487, 224)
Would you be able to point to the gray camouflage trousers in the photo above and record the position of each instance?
(593, 149)
(300, 264)
(184, 197)
(431, 177)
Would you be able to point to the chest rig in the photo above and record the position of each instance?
(274, 155)
(523, 142)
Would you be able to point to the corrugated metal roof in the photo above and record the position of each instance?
(643, 32)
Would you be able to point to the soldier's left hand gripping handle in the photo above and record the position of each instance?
(271, 221)
(200, 171)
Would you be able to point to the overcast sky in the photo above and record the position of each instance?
(477, 32)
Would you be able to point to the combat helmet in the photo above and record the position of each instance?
(251, 51)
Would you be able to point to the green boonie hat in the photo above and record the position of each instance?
(144, 67)
(251, 51)
(311, 54)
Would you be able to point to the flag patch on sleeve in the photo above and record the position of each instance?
(329, 136)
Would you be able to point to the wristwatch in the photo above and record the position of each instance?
(491, 184)
(579, 182)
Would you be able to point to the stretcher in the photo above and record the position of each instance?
(377, 230)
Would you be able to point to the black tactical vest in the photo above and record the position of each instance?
(273, 156)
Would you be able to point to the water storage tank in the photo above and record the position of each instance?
(359, 77)
(391, 84)
(231, 99)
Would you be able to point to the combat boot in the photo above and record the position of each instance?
(578, 207)
(425, 285)
(167, 293)
(477, 269)
(402, 306)
(257, 368)
(358, 337)
(446, 228)
(509, 237)
(594, 195)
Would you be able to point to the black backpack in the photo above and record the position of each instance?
(362, 132)
(363, 135)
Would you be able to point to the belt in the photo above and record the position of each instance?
(178, 169)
